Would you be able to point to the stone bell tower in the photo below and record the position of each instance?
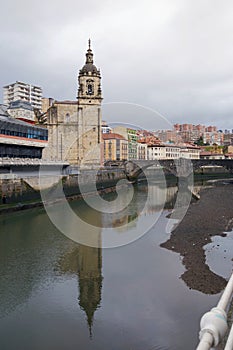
(89, 113)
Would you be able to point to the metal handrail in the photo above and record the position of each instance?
(214, 323)
(229, 344)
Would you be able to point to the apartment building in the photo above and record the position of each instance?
(142, 150)
(214, 137)
(190, 152)
(115, 147)
(163, 151)
(169, 136)
(132, 136)
(23, 92)
(106, 129)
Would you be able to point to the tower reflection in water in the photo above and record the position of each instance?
(90, 281)
(86, 263)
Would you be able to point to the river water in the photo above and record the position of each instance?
(58, 294)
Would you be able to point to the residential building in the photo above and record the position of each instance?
(211, 155)
(228, 139)
(132, 136)
(148, 137)
(211, 129)
(171, 136)
(24, 92)
(166, 151)
(214, 137)
(115, 147)
(230, 149)
(228, 155)
(172, 152)
(133, 145)
(198, 127)
(142, 150)
(156, 152)
(191, 133)
(163, 152)
(105, 128)
(190, 152)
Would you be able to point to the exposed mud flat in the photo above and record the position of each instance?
(210, 216)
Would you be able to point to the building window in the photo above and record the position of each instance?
(67, 117)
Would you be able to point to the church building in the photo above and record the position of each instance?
(74, 127)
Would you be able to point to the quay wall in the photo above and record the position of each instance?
(22, 191)
(17, 191)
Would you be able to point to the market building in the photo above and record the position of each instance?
(19, 139)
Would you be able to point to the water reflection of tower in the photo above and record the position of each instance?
(86, 263)
(90, 280)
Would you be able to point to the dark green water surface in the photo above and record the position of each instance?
(58, 295)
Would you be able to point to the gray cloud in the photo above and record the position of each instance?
(174, 56)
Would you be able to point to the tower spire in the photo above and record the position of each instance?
(89, 54)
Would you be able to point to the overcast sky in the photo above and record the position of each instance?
(173, 56)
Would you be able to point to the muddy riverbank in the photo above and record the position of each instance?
(210, 216)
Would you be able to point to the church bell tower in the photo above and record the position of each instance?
(89, 82)
(89, 112)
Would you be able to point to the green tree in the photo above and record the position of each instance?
(200, 141)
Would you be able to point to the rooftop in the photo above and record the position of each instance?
(113, 135)
(21, 104)
(3, 111)
(66, 102)
(5, 119)
(21, 83)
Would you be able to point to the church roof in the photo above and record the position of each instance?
(65, 102)
(89, 67)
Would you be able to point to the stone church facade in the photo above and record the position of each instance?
(74, 127)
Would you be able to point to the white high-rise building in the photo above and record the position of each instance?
(24, 92)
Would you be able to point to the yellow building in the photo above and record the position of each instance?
(115, 147)
(230, 149)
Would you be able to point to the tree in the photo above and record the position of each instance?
(200, 141)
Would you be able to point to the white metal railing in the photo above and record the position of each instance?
(214, 323)
(229, 344)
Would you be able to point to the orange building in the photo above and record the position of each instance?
(115, 147)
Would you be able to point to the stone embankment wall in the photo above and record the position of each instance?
(15, 190)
